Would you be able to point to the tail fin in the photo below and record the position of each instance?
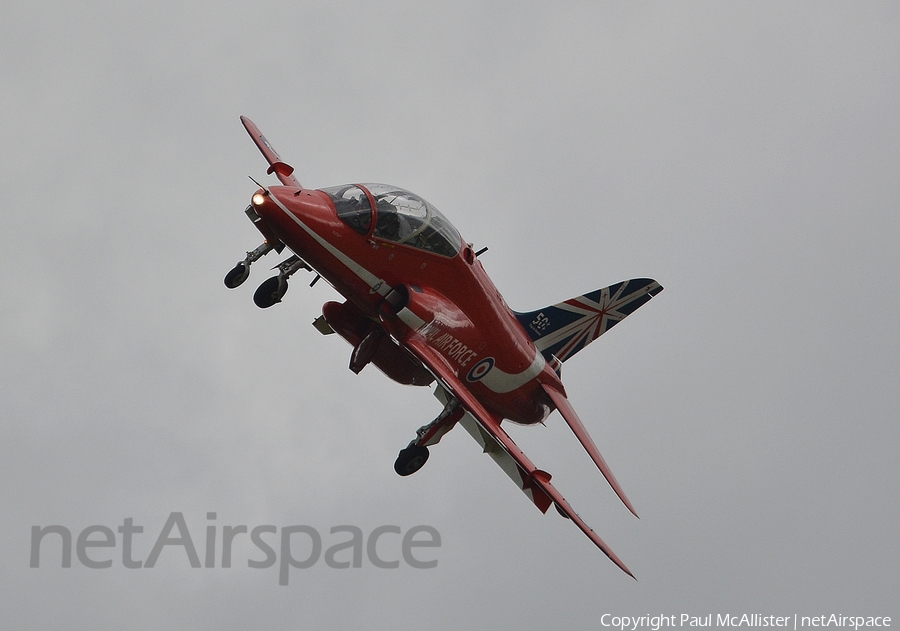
(563, 329)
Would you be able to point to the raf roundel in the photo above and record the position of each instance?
(480, 369)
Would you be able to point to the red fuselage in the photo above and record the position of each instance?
(449, 300)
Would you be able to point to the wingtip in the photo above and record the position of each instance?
(614, 484)
(629, 506)
(618, 562)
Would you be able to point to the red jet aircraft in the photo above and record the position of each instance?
(419, 305)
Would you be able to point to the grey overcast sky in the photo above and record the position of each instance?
(746, 155)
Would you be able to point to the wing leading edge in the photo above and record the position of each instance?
(485, 428)
(283, 171)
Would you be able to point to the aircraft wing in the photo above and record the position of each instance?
(485, 428)
(276, 166)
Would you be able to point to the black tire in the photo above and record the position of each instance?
(411, 460)
(237, 276)
(270, 292)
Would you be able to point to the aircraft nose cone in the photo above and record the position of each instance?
(297, 217)
(262, 204)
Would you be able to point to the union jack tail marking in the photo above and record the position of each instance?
(563, 329)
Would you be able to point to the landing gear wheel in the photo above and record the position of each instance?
(270, 292)
(237, 276)
(411, 460)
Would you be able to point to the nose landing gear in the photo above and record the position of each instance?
(271, 291)
(236, 277)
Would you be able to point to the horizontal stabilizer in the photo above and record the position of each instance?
(539, 482)
(485, 429)
(568, 413)
(565, 328)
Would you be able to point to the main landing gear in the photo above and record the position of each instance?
(415, 455)
(411, 459)
(271, 291)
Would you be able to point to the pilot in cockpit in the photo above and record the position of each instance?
(390, 224)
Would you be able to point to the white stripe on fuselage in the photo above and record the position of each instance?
(496, 380)
(503, 382)
(375, 284)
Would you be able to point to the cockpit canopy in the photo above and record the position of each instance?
(400, 216)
